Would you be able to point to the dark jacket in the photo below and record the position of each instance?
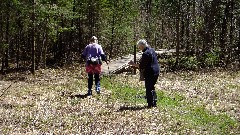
(149, 63)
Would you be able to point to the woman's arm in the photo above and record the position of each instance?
(85, 52)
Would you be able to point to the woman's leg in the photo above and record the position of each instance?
(97, 82)
(90, 83)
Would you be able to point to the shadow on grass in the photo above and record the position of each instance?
(7, 106)
(79, 96)
(131, 108)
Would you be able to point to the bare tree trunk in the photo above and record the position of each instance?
(45, 41)
(1, 41)
(231, 32)
(6, 62)
(224, 32)
(38, 59)
(33, 38)
(178, 33)
(80, 31)
(210, 21)
(194, 33)
(188, 48)
(70, 49)
(17, 47)
(19, 38)
(148, 20)
(113, 28)
(238, 44)
(182, 31)
(91, 11)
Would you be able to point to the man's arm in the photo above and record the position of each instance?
(143, 63)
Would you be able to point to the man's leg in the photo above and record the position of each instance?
(154, 94)
(148, 86)
(90, 83)
(150, 91)
(97, 82)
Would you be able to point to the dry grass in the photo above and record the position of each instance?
(53, 102)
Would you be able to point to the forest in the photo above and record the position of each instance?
(40, 33)
(46, 88)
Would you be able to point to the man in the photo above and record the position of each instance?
(150, 69)
(94, 55)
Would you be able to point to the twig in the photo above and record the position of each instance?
(5, 90)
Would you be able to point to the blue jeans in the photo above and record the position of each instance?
(90, 81)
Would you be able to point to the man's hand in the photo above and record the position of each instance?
(131, 63)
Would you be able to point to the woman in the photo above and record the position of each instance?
(94, 55)
(150, 70)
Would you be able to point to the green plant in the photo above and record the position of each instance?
(211, 59)
(189, 63)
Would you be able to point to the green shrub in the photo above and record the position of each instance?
(171, 63)
(189, 63)
(211, 59)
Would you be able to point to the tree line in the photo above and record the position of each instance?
(40, 33)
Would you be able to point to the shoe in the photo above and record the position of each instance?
(154, 104)
(98, 90)
(89, 92)
(151, 105)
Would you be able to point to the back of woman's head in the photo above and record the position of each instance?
(93, 39)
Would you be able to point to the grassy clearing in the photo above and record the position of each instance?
(193, 116)
(50, 103)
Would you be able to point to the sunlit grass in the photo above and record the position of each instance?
(194, 116)
(49, 107)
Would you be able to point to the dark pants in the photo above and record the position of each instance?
(90, 81)
(151, 95)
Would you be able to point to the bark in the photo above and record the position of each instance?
(112, 31)
(224, 34)
(70, 49)
(194, 33)
(6, 62)
(19, 38)
(1, 39)
(182, 31)
(238, 45)
(45, 41)
(210, 22)
(33, 38)
(188, 49)
(231, 32)
(148, 20)
(178, 33)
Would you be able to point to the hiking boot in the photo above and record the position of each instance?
(98, 90)
(89, 92)
(151, 105)
(154, 101)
